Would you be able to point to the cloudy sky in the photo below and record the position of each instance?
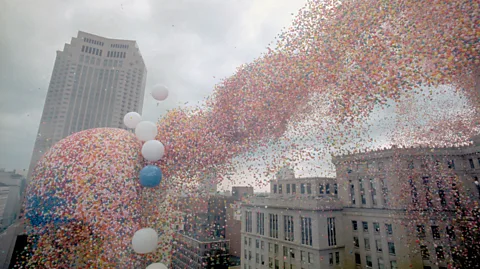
(188, 45)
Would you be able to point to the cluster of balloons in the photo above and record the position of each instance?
(146, 240)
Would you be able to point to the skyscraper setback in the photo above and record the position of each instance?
(95, 82)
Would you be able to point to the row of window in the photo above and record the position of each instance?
(305, 188)
(378, 245)
(373, 192)
(435, 231)
(369, 262)
(91, 50)
(376, 227)
(426, 255)
(92, 41)
(119, 46)
(116, 54)
(289, 227)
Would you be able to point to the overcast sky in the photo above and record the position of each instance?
(188, 45)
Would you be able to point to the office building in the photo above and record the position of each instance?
(399, 204)
(299, 225)
(12, 189)
(95, 82)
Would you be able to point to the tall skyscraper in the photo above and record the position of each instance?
(94, 83)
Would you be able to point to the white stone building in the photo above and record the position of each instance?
(299, 226)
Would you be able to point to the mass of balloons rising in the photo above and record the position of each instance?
(145, 240)
(356, 55)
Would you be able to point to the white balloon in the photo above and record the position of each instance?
(157, 265)
(146, 130)
(145, 240)
(159, 92)
(153, 150)
(131, 119)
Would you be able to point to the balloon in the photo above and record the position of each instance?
(150, 176)
(160, 92)
(146, 130)
(157, 265)
(131, 119)
(153, 150)
(145, 240)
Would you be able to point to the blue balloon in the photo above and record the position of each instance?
(150, 176)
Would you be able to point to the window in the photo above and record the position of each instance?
(288, 188)
(327, 188)
(352, 192)
(384, 191)
(303, 256)
(362, 192)
(245, 242)
(285, 251)
(369, 261)
(354, 225)
(320, 188)
(440, 254)
(302, 188)
(306, 224)
(262, 244)
(428, 195)
(257, 258)
(294, 188)
(277, 265)
(441, 194)
(249, 255)
(274, 188)
(335, 188)
(273, 225)
(451, 164)
(472, 165)
(413, 190)
(248, 221)
(376, 227)
(292, 253)
(309, 188)
(435, 232)
(378, 245)
(245, 252)
(450, 232)
(270, 247)
(367, 243)
(389, 228)
(365, 226)
(260, 223)
(421, 231)
(279, 188)
(393, 265)
(381, 265)
(357, 258)
(330, 258)
(276, 249)
(331, 232)
(288, 228)
(424, 252)
(257, 243)
(391, 248)
(310, 257)
(373, 191)
(249, 242)
(337, 257)
(355, 241)
(262, 260)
